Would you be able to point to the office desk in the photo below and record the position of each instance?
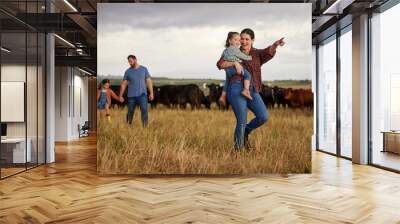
(391, 141)
(13, 150)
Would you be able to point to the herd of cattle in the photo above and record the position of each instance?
(179, 96)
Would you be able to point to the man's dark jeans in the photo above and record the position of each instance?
(142, 102)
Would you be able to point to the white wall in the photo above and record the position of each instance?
(62, 81)
(71, 94)
(79, 110)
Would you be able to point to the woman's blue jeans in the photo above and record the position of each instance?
(239, 106)
(231, 71)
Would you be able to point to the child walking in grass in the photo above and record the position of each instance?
(104, 94)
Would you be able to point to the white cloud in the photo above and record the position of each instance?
(186, 40)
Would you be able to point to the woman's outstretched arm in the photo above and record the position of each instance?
(269, 52)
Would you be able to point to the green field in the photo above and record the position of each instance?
(306, 84)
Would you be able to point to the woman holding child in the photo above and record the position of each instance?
(244, 82)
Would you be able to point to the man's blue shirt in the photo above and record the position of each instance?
(136, 80)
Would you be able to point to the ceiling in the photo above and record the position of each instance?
(76, 21)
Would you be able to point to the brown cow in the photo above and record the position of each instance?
(299, 98)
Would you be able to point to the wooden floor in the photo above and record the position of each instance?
(5, 172)
(70, 191)
(387, 159)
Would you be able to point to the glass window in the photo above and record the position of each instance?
(31, 97)
(22, 92)
(15, 151)
(327, 96)
(385, 84)
(346, 94)
(32, 86)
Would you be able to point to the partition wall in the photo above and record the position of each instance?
(23, 86)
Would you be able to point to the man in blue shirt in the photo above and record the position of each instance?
(136, 78)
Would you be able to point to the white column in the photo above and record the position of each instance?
(360, 90)
(50, 92)
(50, 110)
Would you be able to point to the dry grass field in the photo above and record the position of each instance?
(201, 142)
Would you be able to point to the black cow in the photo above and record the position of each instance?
(279, 96)
(181, 95)
(215, 92)
(191, 94)
(120, 105)
(156, 93)
(267, 95)
(168, 95)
